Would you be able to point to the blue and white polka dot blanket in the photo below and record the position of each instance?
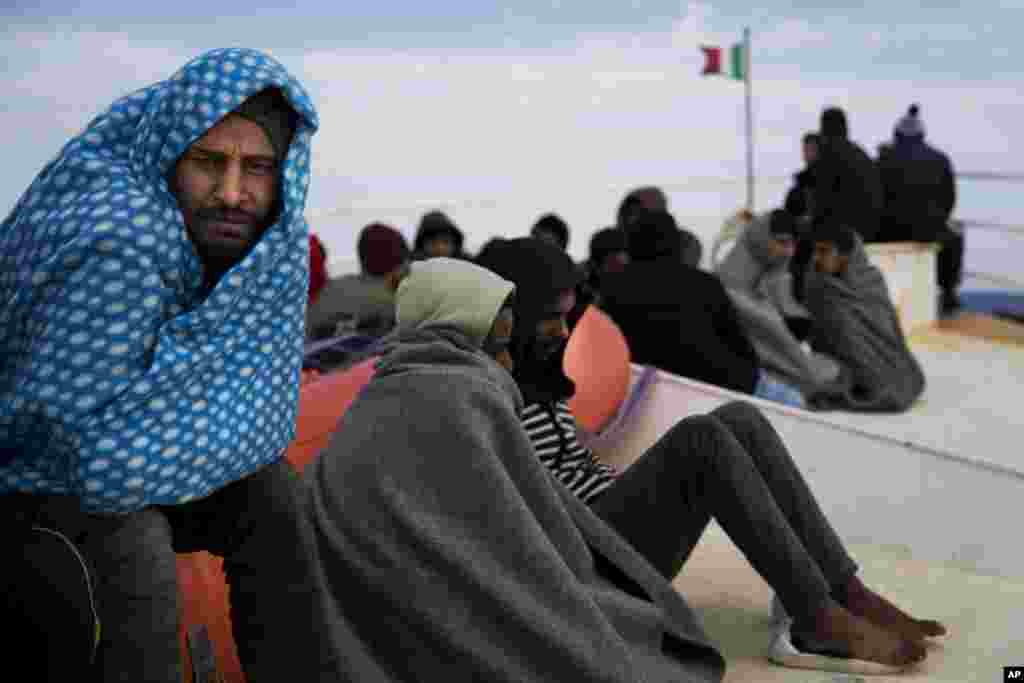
(119, 383)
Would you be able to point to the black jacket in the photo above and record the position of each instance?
(681, 320)
(847, 187)
(919, 190)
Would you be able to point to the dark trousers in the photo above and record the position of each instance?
(278, 611)
(732, 466)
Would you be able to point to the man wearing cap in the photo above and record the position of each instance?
(363, 303)
(920, 193)
(153, 280)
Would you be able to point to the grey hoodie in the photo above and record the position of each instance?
(447, 544)
(759, 286)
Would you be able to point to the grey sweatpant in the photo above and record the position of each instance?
(278, 611)
(732, 466)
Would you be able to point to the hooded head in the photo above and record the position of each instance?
(227, 183)
(451, 293)
(833, 123)
(653, 234)
(910, 126)
(771, 239)
(136, 282)
(647, 198)
(438, 235)
(545, 279)
(552, 228)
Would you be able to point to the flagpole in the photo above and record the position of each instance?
(750, 125)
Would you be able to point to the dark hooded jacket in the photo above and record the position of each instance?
(541, 272)
(846, 184)
(435, 224)
(676, 317)
(919, 189)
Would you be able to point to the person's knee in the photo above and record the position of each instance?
(697, 435)
(742, 412)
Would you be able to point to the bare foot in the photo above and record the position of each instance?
(858, 638)
(864, 602)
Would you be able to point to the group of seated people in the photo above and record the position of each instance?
(739, 327)
(152, 307)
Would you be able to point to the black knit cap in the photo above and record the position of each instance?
(833, 123)
(271, 111)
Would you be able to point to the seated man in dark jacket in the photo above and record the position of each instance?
(680, 319)
(846, 182)
(920, 192)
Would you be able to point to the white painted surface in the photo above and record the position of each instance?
(877, 488)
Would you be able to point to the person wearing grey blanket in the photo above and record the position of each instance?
(856, 323)
(756, 275)
(447, 544)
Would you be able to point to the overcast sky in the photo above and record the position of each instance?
(566, 99)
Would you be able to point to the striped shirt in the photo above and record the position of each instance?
(552, 431)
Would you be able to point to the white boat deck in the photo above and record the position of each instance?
(984, 614)
(927, 501)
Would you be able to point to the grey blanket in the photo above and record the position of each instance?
(456, 557)
(759, 286)
(857, 324)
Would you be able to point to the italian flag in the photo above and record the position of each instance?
(731, 62)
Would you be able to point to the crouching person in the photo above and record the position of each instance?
(472, 563)
(856, 323)
(154, 279)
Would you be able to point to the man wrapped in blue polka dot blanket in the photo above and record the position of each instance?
(153, 281)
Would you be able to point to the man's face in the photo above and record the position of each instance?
(226, 185)
(439, 246)
(827, 258)
(553, 330)
(498, 340)
(810, 152)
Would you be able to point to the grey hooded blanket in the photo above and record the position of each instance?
(857, 324)
(455, 555)
(759, 286)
